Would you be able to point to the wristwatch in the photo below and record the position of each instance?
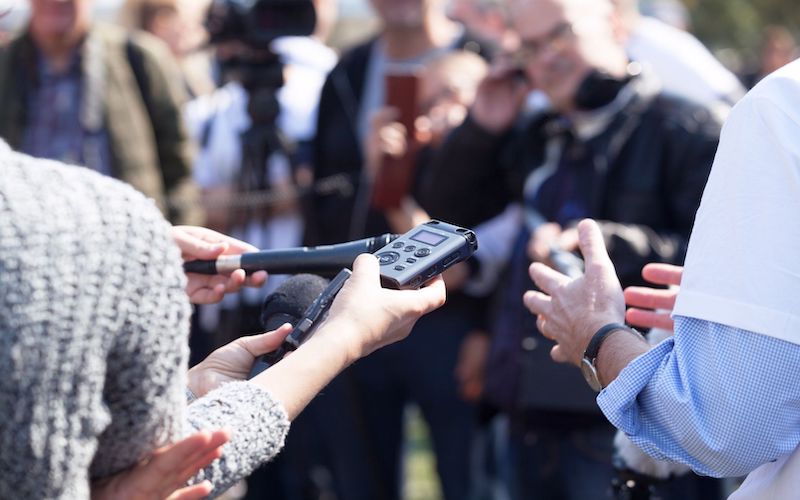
(588, 367)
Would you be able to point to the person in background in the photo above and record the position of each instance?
(92, 94)
(735, 316)
(778, 48)
(486, 18)
(256, 203)
(222, 123)
(360, 418)
(611, 145)
(681, 62)
(179, 23)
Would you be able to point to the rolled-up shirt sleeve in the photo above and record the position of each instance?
(721, 400)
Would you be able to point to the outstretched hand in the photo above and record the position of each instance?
(165, 473)
(570, 311)
(651, 307)
(373, 317)
(233, 361)
(199, 243)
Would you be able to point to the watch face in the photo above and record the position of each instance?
(590, 374)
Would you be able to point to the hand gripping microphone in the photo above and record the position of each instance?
(302, 301)
(323, 259)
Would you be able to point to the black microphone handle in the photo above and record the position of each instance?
(297, 261)
(324, 259)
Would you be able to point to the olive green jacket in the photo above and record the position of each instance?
(149, 146)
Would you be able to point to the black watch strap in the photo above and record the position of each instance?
(597, 339)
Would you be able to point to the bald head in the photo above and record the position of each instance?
(563, 41)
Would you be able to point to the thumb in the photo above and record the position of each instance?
(593, 248)
(263, 343)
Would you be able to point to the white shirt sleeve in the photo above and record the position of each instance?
(743, 262)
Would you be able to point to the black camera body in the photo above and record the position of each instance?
(254, 24)
(420, 254)
(257, 23)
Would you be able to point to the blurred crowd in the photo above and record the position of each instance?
(517, 118)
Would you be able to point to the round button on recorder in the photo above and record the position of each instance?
(423, 252)
(387, 258)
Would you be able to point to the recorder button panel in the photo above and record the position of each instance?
(422, 253)
(386, 258)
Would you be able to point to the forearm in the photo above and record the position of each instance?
(712, 397)
(258, 411)
(618, 350)
(301, 375)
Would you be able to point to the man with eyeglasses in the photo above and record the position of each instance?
(611, 146)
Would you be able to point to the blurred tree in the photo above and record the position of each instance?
(737, 24)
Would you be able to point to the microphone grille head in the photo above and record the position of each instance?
(290, 300)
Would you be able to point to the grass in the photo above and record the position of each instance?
(419, 463)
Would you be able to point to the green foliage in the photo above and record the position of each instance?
(737, 24)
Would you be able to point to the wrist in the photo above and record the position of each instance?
(591, 356)
(195, 380)
(620, 348)
(334, 337)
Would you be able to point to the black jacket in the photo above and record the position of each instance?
(648, 167)
(334, 218)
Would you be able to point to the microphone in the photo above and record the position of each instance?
(302, 301)
(290, 300)
(323, 259)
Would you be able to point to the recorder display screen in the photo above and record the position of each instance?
(428, 237)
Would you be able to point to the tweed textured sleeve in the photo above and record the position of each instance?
(93, 339)
(259, 426)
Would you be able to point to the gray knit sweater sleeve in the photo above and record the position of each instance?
(93, 339)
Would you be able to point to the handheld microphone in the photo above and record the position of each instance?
(323, 259)
(565, 262)
(302, 301)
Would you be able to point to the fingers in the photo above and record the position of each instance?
(662, 274)
(204, 292)
(649, 319)
(263, 343)
(542, 241)
(194, 492)
(537, 302)
(210, 289)
(237, 246)
(172, 465)
(558, 355)
(394, 141)
(211, 450)
(548, 280)
(433, 295)
(650, 298)
(193, 247)
(383, 116)
(257, 279)
(198, 240)
(593, 248)
(569, 240)
(366, 267)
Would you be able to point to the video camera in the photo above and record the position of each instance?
(257, 23)
(253, 25)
